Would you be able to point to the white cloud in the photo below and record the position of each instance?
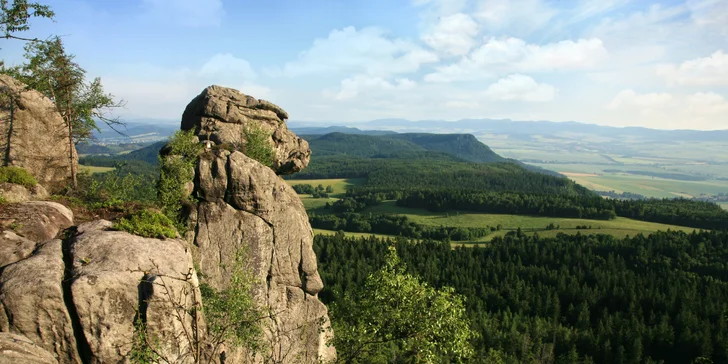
(369, 51)
(629, 99)
(711, 70)
(352, 87)
(223, 65)
(453, 35)
(707, 103)
(158, 92)
(498, 56)
(520, 87)
(192, 13)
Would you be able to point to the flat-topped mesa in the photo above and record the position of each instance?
(222, 115)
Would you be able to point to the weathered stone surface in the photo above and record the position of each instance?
(108, 293)
(36, 220)
(244, 205)
(221, 114)
(32, 300)
(14, 248)
(14, 193)
(17, 349)
(34, 136)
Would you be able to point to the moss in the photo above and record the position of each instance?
(147, 223)
(17, 175)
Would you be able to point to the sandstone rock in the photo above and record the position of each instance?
(14, 248)
(32, 300)
(109, 294)
(36, 220)
(221, 114)
(245, 205)
(17, 349)
(34, 136)
(14, 193)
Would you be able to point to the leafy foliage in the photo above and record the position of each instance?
(15, 17)
(147, 223)
(177, 169)
(231, 313)
(17, 175)
(257, 145)
(396, 318)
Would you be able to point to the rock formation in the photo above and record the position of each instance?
(244, 205)
(88, 294)
(221, 114)
(34, 135)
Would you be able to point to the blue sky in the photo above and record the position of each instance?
(659, 64)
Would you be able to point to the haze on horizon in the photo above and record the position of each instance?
(656, 64)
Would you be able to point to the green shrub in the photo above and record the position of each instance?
(257, 145)
(147, 223)
(176, 170)
(17, 175)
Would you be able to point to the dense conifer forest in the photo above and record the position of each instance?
(582, 298)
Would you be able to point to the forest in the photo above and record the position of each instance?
(581, 298)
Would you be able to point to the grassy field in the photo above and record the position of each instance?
(724, 205)
(94, 169)
(618, 227)
(339, 184)
(356, 235)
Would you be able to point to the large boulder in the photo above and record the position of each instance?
(121, 282)
(86, 298)
(33, 305)
(222, 114)
(34, 136)
(14, 193)
(36, 220)
(245, 206)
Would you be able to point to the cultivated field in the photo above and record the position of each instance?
(94, 169)
(339, 184)
(618, 227)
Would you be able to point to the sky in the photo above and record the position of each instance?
(657, 64)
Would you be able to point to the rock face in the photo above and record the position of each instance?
(36, 220)
(18, 349)
(14, 248)
(14, 193)
(222, 114)
(34, 135)
(83, 298)
(244, 205)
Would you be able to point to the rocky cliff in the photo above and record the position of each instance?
(245, 205)
(33, 134)
(88, 294)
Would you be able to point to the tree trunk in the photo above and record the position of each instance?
(71, 156)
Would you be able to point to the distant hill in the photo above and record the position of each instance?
(462, 146)
(338, 129)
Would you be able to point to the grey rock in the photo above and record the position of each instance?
(32, 300)
(107, 290)
(14, 248)
(221, 114)
(36, 220)
(35, 136)
(246, 206)
(18, 349)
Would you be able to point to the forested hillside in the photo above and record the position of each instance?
(583, 298)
